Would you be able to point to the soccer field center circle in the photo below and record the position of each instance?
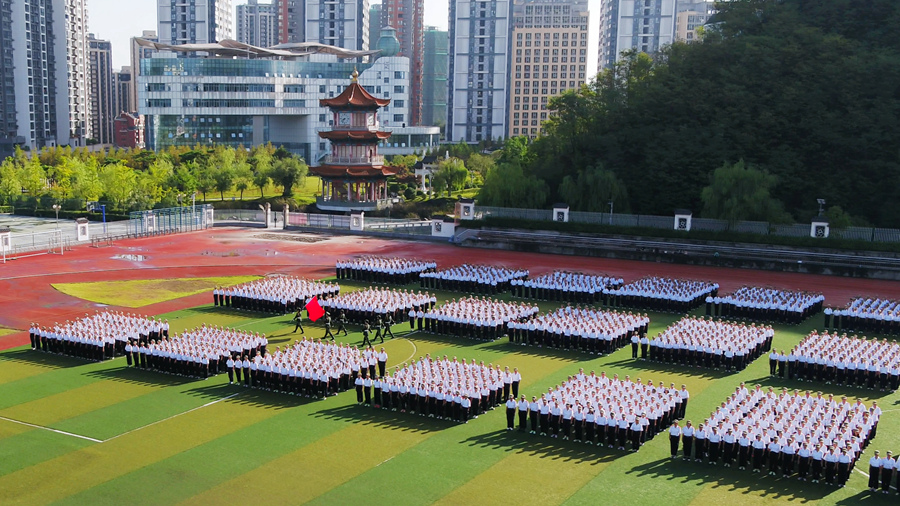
(197, 441)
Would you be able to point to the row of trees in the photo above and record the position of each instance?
(793, 100)
(137, 179)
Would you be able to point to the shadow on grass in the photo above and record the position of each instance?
(383, 418)
(248, 396)
(649, 365)
(544, 447)
(29, 356)
(447, 339)
(851, 392)
(733, 481)
(132, 375)
(867, 497)
(564, 355)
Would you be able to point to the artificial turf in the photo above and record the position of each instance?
(143, 292)
(167, 439)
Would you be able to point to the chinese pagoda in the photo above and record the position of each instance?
(354, 177)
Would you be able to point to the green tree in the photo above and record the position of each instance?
(33, 177)
(205, 180)
(119, 182)
(450, 176)
(243, 176)
(737, 192)
(10, 186)
(261, 162)
(480, 164)
(406, 162)
(508, 186)
(288, 172)
(87, 184)
(592, 190)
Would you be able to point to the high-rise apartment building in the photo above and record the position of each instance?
(344, 24)
(477, 102)
(434, 77)
(122, 82)
(408, 18)
(549, 56)
(691, 15)
(374, 24)
(43, 76)
(195, 21)
(642, 25)
(76, 22)
(257, 24)
(291, 20)
(102, 91)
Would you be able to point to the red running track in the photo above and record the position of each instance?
(26, 294)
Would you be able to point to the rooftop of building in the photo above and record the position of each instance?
(234, 49)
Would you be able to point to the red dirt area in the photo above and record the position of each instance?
(26, 294)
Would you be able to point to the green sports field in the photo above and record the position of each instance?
(77, 432)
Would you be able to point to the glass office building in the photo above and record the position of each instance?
(246, 102)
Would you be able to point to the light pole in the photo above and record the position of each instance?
(610, 210)
(57, 207)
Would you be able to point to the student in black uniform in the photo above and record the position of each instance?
(298, 317)
(342, 323)
(365, 331)
(388, 322)
(328, 327)
(379, 327)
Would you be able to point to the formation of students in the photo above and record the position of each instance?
(587, 329)
(479, 279)
(788, 434)
(766, 305)
(882, 470)
(276, 294)
(308, 368)
(661, 294)
(442, 388)
(373, 303)
(200, 352)
(713, 344)
(598, 410)
(478, 318)
(881, 316)
(100, 336)
(832, 358)
(373, 269)
(564, 286)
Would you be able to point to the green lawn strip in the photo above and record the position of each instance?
(80, 470)
(50, 410)
(32, 446)
(332, 460)
(75, 373)
(445, 461)
(154, 406)
(22, 362)
(651, 474)
(218, 461)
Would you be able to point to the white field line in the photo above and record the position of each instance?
(51, 430)
(79, 436)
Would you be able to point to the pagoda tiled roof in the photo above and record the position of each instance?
(354, 97)
(361, 171)
(355, 135)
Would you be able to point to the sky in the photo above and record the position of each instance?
(119, 20)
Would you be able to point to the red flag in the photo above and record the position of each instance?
(314, 310)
